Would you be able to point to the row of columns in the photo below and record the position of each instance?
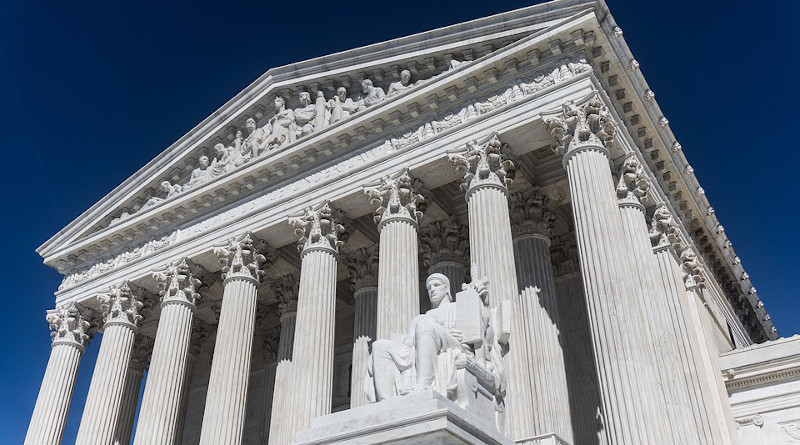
(634, 307)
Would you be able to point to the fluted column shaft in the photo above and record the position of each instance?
(284, 386)
(398, 276)
(453, 270)
(620, 353)
(689, 363)
(539, 334)
(286, 342)
(364, 328)
(223, 419)
(187, 376)
(130, 398)
(161, 402)
(52, 405)
(104, 400)
(314, 342)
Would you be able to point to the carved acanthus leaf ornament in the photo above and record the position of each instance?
(633, 184)
(142, 351)
(319, 228)
(243, 257)
(485, 164)
(69, 325)
(362, 266)
(397, 196)
(531, 214)
(122, 305)
(178, 283)
(664, 229)
(576, 126)
(286, 289)
(446, 240)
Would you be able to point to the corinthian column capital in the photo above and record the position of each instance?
(362, 266)
(243, 257)
(531, 214)
(633, 186)
(177, 283)
(663, 229)
(485, 164)
(69, 325)
(319, 228)
(692, 270)
(122, 305)
(446, 240)
(286, 288)
(580, 126)
(397, 197)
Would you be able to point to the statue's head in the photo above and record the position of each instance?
(203, 161)
(438, 287)
(219, 148)
(279, 103)
(166, 186)
(405, 76)
(342, 93)
(305, 98)
(366, 84)
(250, 124)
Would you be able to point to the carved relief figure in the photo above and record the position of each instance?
(304, 116)
(402, 84)
(372, 95)
(256, 140)
(199, 175)
(281, 125)
(341, 107)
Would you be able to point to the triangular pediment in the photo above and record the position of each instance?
(395, 68)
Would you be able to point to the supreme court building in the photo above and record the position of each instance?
(511, 178)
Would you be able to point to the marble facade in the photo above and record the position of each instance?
(254, 268)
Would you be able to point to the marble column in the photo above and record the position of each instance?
(629, 414)
(121, 318)
(320, 234)
(226, 402)
(487, 174)
(142, 349)
(399, 210)
(537, 308)
(362, 266)
(200, 333)
(70, 328)
(665, 239)
(697, 315)
(161, 402)
(286, 292)
(445, 250)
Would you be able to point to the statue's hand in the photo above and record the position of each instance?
(457, 334)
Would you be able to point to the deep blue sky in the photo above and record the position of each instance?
(90, 92)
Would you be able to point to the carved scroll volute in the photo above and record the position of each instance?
(319, 228)
(69, 325)
(397, 196)
(286, 289)
(586, 125)
(531, 214)
(633, 185)
(122, 305)
(244, 257)
(362, 266)
(178, 283)
(446, 240)
(485, 164)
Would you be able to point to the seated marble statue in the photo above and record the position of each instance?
(304, 116)
(451, 336)
(401, 85)
(256, 140)
(282, 125)
(341, 106)
(226, 160)
(171, 190)
(372, 95)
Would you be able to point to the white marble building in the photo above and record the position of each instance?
(253, 266)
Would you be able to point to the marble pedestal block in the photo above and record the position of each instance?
(424, 417)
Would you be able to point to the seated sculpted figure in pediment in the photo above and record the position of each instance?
(282, 125)
(452, 349)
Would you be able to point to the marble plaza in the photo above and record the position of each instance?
(481, 234)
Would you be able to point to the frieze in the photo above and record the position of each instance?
(567, 69)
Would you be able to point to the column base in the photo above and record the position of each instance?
(424, 417)
(544, 439)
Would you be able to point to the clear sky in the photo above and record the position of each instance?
(91, 91)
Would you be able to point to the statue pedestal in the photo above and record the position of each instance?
(424, 417)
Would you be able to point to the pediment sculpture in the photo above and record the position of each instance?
(286, 126)
(454, 349)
